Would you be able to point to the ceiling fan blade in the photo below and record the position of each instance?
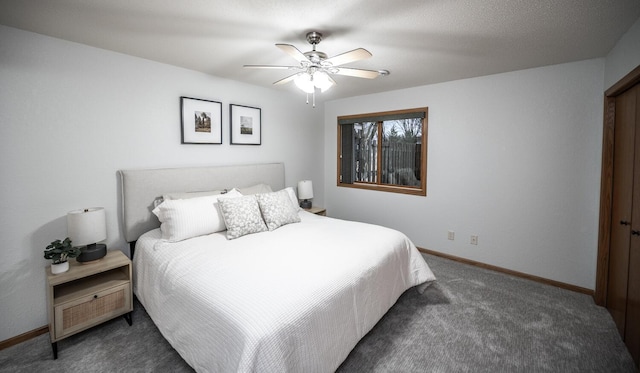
(270, 67)
(358, 73)
(351, 56)
(293, 52)
(285, 80)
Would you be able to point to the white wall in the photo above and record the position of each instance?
(513, 158)
(72, 115)
(624, 57)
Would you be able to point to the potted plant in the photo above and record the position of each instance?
(59, 251)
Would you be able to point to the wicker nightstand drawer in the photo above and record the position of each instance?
(91, 310)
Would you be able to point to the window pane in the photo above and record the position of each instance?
(365, 141)
(385, 151)
(401, 153)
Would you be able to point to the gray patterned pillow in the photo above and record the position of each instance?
(241, 216)
(277, 209)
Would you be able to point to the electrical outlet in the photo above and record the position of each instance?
(451, 235)
(474, 239)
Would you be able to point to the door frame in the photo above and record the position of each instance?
(606, 182)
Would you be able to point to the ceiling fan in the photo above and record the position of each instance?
(315, 68)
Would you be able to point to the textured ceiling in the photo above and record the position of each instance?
(419, 41)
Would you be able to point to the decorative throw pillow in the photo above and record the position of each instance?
(277, 209)
(241, 216)
(157, 201)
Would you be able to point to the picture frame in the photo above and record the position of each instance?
(201, 121)
(246, 125)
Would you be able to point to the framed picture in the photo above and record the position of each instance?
(246, 125)
(201, 121)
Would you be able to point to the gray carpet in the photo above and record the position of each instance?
(470, 320)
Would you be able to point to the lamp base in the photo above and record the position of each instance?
(92, 252)
(305, 204)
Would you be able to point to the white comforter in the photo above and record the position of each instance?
(296, 299)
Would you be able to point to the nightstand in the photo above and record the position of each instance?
(317, 210)
(87, 295)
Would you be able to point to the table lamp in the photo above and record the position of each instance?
(305, 193)
(85, 227)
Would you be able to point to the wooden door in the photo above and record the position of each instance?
(618, 269)
(632, 325)
(623, 165)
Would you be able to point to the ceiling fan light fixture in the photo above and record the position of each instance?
(315, 69)
(321, 80)
(304, 82)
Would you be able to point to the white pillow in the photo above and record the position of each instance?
(276, 209)
(255, 189)
(186, 195)
(241, 216)
(185, 218)
(294, 198)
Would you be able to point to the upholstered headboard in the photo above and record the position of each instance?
(141, 187)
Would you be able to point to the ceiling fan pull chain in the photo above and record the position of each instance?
(307, 98)
(314, 97)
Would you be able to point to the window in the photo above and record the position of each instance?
(384, 151)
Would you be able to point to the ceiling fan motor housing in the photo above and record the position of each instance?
(314, 38)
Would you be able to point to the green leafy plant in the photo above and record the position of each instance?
(59, 251)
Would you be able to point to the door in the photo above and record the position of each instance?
(623, 175)
(632, 325)
(623, 289)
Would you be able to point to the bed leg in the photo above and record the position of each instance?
(132, 249)
(54, 347)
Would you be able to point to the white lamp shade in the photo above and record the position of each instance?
(305, 189)
(322, 81)
(304, 82)
(86, 226)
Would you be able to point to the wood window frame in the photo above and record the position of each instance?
(419, 191)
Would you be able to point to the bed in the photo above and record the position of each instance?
(296, 298)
